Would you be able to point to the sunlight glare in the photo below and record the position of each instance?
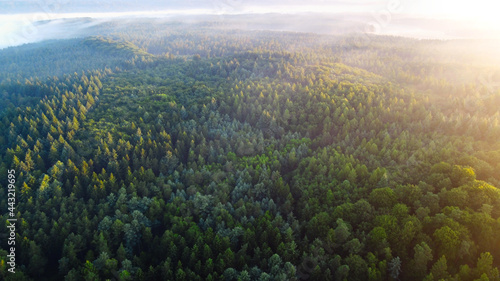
(479, 13)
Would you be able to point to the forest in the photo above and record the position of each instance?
(192, 152)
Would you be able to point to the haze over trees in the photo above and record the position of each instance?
(190, 152)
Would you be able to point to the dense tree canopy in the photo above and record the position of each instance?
(193, 153)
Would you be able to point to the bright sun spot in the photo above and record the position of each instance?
(479, 13)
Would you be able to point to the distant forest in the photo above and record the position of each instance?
(191, 152)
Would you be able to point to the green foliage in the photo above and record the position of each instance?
(382, 197)
(186, 153)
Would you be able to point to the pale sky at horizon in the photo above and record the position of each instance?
(441, 8)
(386, 16)
(479, 10)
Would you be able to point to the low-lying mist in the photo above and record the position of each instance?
(18, 32)
(30, 28)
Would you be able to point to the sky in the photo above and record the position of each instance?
(441, 19)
